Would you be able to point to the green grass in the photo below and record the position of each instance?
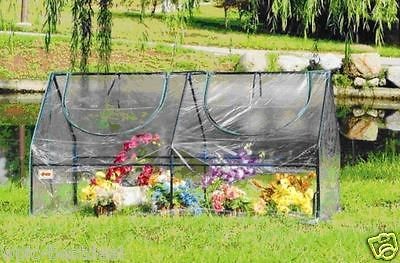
(369, 197)
(207, 29)
(24, 57)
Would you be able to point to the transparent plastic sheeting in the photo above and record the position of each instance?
(85, 119)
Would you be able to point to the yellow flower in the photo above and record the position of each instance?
(88, 193)
(177, 181)
(306, 208)
(153, 180)
(100, 174)
(284, 182)
(309, 193)
(259, 207)
(283, 209)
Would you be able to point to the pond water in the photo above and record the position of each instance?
(10, 136)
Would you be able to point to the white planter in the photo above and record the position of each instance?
(134, 195)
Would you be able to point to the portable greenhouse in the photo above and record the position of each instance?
(188, 140)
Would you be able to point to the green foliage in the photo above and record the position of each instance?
(53, 12)
(380, 166)
(342, 81)
(369, 201)
(347, 57)
(272, 60)
(9, 143)
(343, 111)
(81, 39)
(104, 21)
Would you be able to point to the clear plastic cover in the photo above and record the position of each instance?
(254, 124)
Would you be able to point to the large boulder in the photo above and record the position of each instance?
(252, 62)
(330, 61)
(393, 75)
(364, 129)
(367, 65)
(392, 122)
(292, 63)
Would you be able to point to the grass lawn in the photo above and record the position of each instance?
(369, 197)
(207, 29)
(24, 57)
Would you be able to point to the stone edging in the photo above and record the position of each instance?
(21, 86)
(368, 93)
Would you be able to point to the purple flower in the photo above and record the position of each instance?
(230, 169)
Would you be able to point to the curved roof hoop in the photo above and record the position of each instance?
(299, 114)
(145, 123)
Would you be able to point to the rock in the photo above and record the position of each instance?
(382, 82)
(368, 65)
(3, 170)
(372, 113)
(292, 63)
(359, 82)
(357, 112)
(373, 82)
(364, 129)
(392, 122)
(330, 61)
(393, 75)
(252, 62)
(381, 114)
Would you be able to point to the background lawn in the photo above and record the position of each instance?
(369, 197)
(206, 29)
(24, 57)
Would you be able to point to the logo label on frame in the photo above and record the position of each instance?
(46, 174)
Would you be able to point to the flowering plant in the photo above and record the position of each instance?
(286, 193)
(101, 192)
(160, 193)
(118, 172)
(234, 168)
(104, 189)
(229, 198)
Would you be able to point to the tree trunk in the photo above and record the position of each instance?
(24, 11)
(21, 140)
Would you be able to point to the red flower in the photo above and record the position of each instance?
(144, 176)
(117, 173)
(93, 181)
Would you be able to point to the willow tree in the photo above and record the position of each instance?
(82, 30)
(340, 17)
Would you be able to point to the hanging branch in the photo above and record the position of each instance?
(74, 43)
(104, 21)
(86, 33)
(81, 39)
(53, 9)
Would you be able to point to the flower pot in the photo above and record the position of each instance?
(107, 210)
(133, 195)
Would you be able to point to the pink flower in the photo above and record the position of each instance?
(217, 200)
(121, 157)
(145, 138)
(148, 169)
(156, 137)
(132, 143)
(231, 192)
